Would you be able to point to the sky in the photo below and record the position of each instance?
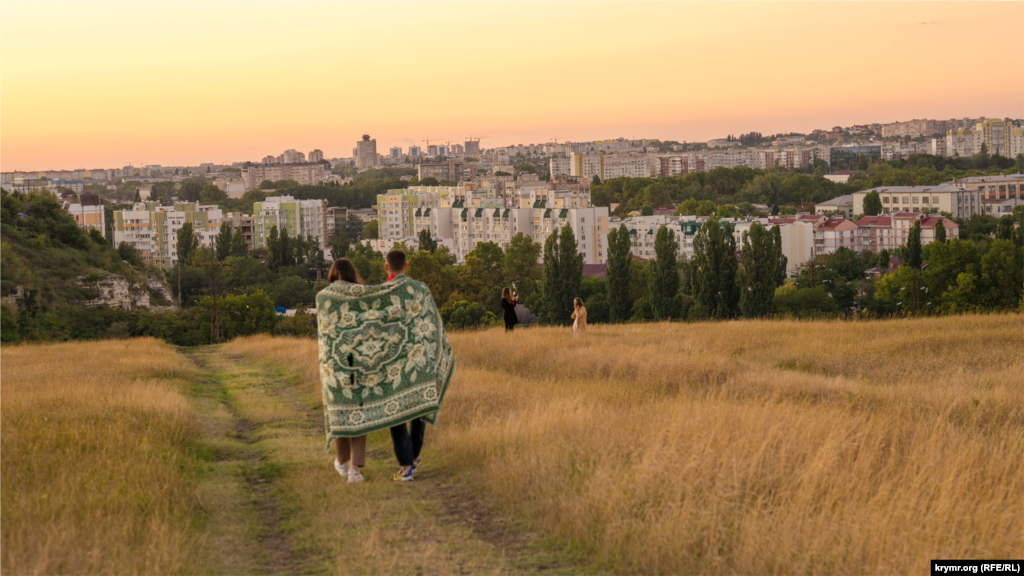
(103, 85)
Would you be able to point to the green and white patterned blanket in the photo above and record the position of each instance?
(384, 356)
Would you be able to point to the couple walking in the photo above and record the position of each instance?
(510, 299)
(385, 362)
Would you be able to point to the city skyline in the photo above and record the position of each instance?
(580, 71)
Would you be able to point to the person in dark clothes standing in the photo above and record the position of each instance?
(509, 299)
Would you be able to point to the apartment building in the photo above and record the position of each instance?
(302, 218)
(956, 200)
(316, 155)
(366, 153)
(86, 209)
(153, 229)
(243, 222)
(559, 166)
(460, 217)
(336, 216)
(999, 136)
(833, 234)
(305, 173)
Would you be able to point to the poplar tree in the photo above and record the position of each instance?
(224, 241)
(940, 231)
(570, 270)
(781, 262)
(426, 242)
(664, 278)
(713, 270)
(914, 246)
(760, 270)
(618, 275)
(273, 248)
(552, 282)
(239, 247)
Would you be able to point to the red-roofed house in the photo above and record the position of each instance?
(833, 234)
(781, 220)
(928, 228)
(816, 219)
(876, 233)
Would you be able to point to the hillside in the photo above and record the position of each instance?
(747, 447)
(57, 280)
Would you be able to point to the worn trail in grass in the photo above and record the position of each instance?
(272, 503)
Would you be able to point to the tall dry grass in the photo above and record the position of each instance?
(97, 474)
(746, 447)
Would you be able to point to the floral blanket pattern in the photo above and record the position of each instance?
(384, 356)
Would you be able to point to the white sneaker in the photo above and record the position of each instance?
(341, 468)
(354, 476)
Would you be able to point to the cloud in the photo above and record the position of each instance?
(930, 23)
(408, 141)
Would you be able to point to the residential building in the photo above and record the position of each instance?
(395, 153)
(76, 186)
(302, 218)
(86, 209)
(366, 153)
(415, 152)
(928, 225)
(558, 166)
(245, 223)
(472, 148)
(292, 156)
(840, 177)
(875, 233)
(316, 155)
(1002, 137)
(364, 214)
(958, 201)
(460, 217)
(337, 216)
(307, 173)
(153, 229)
(833, 234)
(451, 169)
(721, 143)
(840, 205)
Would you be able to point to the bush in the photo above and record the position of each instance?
(462, 315)
(804, 302)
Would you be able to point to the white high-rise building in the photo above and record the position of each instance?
(153, 229)
(415, 152)
(462, 217)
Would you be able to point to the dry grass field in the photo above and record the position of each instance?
(744, 447)
(715, 448)
(98, 467)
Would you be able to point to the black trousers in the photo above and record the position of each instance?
(408, 441)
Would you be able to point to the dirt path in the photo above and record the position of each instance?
(272, 503)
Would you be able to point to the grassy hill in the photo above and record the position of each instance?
(733, 447)
(50, 269)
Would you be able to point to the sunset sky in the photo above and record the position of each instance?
(91, 85)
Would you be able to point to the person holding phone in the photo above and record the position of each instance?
(509, 300)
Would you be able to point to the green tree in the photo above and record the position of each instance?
(423, 266)
(371, 229)
(570, 268)
(552, 281)
(286, 247)
(940, 231)
(914, 246)
(462, 314)
(239, 247)
(781, 261)
(596, 181)
(273, 249)
(521, 267)
(620, 303)
(1004, 228)
(338, 244)
(187, 242)
(872, 204)
(266, 185)
(129, 254)
(713, 270)
(211, 194)
(191, 189)
(664, 276)
(1002, 268)
(224, 241)
(426, 242)
(760, 271)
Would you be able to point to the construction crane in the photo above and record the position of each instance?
(476, 138)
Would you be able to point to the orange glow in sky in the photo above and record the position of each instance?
(101, 85)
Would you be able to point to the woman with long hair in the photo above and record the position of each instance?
(509, 299)
(579, 319)
(351, 452)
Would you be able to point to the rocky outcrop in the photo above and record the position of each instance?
(117, 292)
